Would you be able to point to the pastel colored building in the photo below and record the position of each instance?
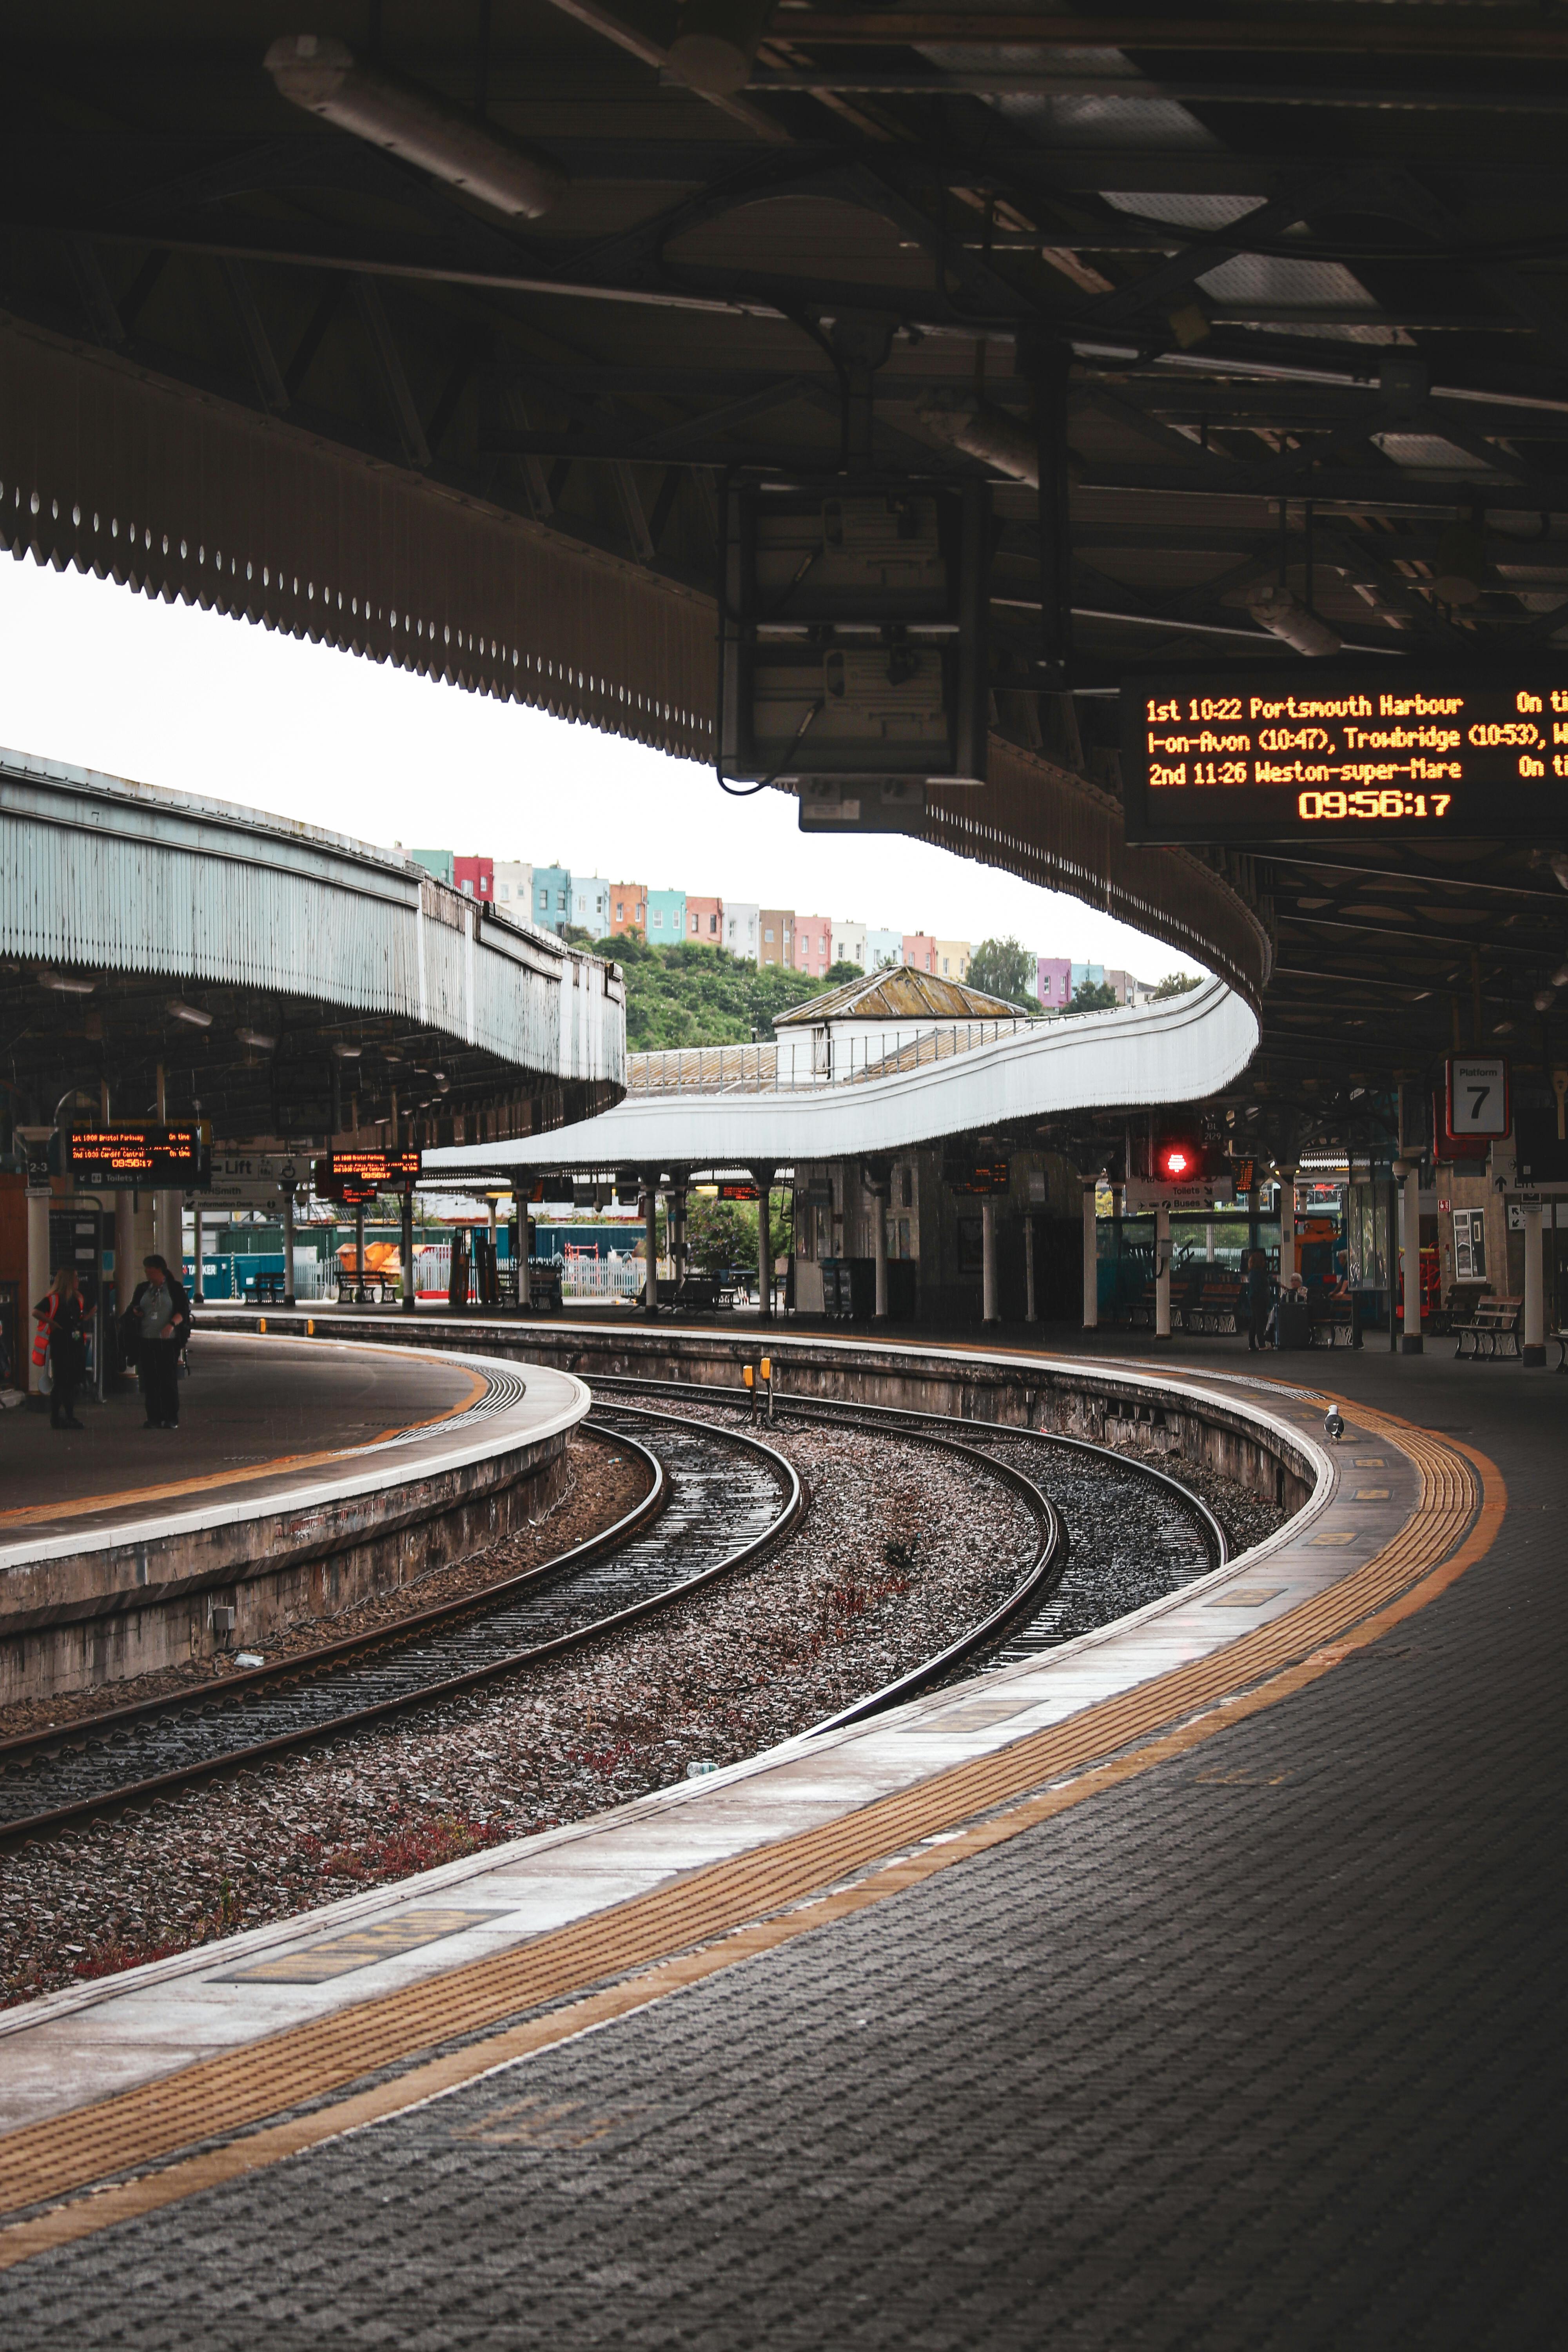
(705, 921)
(849, 943)
(628, 910)
(1053, 982)
(665, 917)
(918, 951)
(776, 940)
(883, 948)
(742, 928)
(552, 897)
(591, 904)
(952, 959)
(812, 944)
(475, 878)
(514, 887)
(436, 862)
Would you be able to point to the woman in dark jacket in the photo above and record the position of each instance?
(65, 1312)
(159, 1322)
(1259, 1299)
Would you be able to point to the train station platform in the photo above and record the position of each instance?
(302, 1471)
(1195, 1985)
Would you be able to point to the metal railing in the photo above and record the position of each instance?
(801, 1066)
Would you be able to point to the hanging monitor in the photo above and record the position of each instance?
(854, 632)
(1319, 753)
(123, 1159)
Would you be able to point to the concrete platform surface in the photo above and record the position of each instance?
(251, 1414)
(1241, 2037)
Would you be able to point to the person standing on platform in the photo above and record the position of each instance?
(65, 1314)
(1259, 1299)
(159, 1319)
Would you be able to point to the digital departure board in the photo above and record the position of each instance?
(355, 1177)
(123, 1157)
(1318, 753)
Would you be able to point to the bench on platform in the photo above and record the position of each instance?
(1333, 1323)
(1492, 1330)
(1219, 1305)
(265, 1289)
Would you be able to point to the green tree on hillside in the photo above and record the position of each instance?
(696, 995)
(1176, 984)
(1093, 996)
(1004, 968)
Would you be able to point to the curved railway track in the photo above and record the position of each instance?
(720, 1499)
(1129, 1531)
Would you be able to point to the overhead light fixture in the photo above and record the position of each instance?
(1545, 999)
(990, 433)
(178, 1010)
(256, 1039)
(1558, 861)
(348, 1053)
(716, 47)
(1502, 1028)
(1560, 977)
(65, 983)
(323, 75)
(1274, 607)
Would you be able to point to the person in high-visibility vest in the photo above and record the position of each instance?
(61, 1337)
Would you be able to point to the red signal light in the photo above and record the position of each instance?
(1179, 1162)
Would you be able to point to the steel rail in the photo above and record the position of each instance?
(312, 1663)
(889, 1415)
(1045, 1571)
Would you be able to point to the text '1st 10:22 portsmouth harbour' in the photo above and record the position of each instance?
(1269, 756)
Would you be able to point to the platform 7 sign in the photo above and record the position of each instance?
(1476, 1096)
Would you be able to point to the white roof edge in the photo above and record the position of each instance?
(1180, 1050)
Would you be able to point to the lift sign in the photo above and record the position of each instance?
(122, 1158)
(1476, 1101)
(1318, 753)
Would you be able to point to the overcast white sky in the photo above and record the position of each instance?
(97, 675)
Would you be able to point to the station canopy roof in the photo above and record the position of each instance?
(898, 993)
(441, 354)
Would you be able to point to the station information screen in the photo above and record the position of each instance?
(353, 1176)
(1320, 753)
(161, 1158)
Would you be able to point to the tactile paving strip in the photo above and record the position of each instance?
(237, 2091)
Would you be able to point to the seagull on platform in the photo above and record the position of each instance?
(1334, 1423)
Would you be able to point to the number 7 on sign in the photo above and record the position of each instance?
(1477, 1104)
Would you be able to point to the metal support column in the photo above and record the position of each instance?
(1090, 1256)
(1534, 1288)
(124, 1253)
(38, 1273)
(880, 1198)
(196, 1250)
(1031, 1312)
(1162, 1273)
(762, 1177)
(359, 1254)
(289, 1299)
(650, 1246)
(1410, 1345)
(1288, 1264)
(989, 1311)
(410, 1283)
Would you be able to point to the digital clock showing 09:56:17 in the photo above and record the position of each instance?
(1264, 755)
